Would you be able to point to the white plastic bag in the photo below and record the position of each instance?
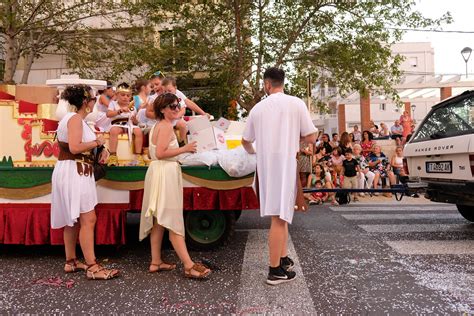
(207, 158)
(237, 162)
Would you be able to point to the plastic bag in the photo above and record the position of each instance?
(237, 162)
(207, 158)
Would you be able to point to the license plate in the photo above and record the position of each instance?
(439, 167)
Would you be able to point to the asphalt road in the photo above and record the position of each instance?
(388, 258)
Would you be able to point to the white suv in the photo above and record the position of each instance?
(441, 153)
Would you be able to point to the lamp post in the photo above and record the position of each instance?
(413, 108)
(466, 53)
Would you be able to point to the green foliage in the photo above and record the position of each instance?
(342, 43)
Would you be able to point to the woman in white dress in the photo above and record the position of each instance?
(162, 206)
(74, 194)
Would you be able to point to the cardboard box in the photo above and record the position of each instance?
(38, 94)
(208, 137)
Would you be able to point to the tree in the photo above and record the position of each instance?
(233, 41)
(31, 29)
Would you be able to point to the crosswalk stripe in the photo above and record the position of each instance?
(365, 217)
(393, 208)
(433, 247)
(417, 228)
(256, 297)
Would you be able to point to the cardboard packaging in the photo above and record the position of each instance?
(207, 136)
(38, 94)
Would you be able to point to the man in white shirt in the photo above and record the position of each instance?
(277, 124)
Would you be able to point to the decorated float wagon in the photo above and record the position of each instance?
(29, 115)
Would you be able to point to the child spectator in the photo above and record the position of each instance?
(325, 180)
(124, 120)
(350, 168)
(318, 197)
(336, 164)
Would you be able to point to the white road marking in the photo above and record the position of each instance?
(433, 247)
(256, 297)
(393, 208)
(365, 217)
(415, 228)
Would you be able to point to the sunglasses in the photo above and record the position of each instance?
(174, 106)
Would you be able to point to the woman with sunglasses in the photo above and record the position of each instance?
(74, 193)
(162, 206)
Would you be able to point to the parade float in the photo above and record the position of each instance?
(29, 116)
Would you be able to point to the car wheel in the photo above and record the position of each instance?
(207, 230)
(466, 211)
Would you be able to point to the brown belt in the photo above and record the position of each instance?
(65, 154)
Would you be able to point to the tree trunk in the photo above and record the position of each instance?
(29, 62)
(11, 59)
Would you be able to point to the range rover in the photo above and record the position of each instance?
(441, 153)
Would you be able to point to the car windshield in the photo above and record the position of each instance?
(450, 120)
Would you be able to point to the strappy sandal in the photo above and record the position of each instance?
(104, 274)
(163, 266)
(74, 265)
(200, 268)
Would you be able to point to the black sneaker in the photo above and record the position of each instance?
(287, 264)
(279, 275)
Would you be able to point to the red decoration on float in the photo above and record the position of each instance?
(48, 148)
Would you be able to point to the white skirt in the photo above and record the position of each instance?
(71, 194)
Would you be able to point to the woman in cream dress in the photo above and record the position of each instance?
(162, 206)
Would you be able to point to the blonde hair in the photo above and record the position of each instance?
(357, 146)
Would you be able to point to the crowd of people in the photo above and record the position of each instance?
(128, 110)
(354, 160)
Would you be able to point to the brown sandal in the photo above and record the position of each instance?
(74, 265)
(199, 267)
(163, 266)
(107, 273)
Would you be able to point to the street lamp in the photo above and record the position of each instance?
(413, 108)
(466, 53)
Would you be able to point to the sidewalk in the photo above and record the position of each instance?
(374, 200)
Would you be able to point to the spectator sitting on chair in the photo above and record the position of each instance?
(379, 164)
(397, 162)
(397, 132)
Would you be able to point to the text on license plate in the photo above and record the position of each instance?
(439, 167)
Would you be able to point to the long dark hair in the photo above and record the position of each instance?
(369, 133)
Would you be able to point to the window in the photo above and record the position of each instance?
(382, 106)
(413, 62)
(450, 120)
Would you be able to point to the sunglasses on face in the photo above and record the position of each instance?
(174, 106)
